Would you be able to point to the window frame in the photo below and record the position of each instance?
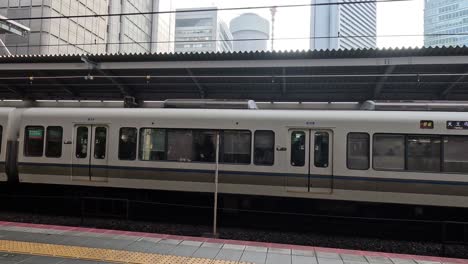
(369, 156)
(221, 149)
(253, 147)
(136, 143)
(26, 137)
(47, 145)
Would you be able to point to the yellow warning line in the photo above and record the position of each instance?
(100, 254)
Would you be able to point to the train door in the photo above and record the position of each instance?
(89, 159)
(310, 161)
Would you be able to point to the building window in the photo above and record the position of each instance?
(298, 140)
(264, 147)
(357, 153)
(389, 152)
(34, 141)
(54, 142)
(321, 149)
(127, 143)
(235, 147)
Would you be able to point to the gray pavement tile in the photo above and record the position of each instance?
(330, 255)
(160, 248)
(139, 246)
(355, 262)
(354, 258)
(8, 262)
(229, 254)
(150, 239)
(276, 258)
(43, 260)
(402, 261)
(13, 257)
(183, 251)
(427, 262)
(206, 252)
(233, 246)
(280, 250)
(379, 260)
(256, 249)
(299, 252)
(329, 261)
(254, 257)
(191, 243)
(170, 241)
(212, 245)
(303, 259)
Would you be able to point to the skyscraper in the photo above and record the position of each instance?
(138, 33)
(445, 17)
(52, 36)
(250, 32)
(91, 34)
(346, 25)
(201, 31)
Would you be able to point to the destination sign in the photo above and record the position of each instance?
(457, 124)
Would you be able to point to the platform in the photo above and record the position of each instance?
(49, 244)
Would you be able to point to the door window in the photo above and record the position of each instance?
(321, 146)
(298, 139)
(100, 143)
(81, 151)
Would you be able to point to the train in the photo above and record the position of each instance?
(416, 158)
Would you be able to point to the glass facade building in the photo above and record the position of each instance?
(447, 18)
(53, 36)
(201, 32)
(346, 26)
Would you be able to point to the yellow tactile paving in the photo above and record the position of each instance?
(107, 255)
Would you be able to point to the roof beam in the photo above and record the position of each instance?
(195, 81)
(284, 83)
(380, 84)
(97, 67)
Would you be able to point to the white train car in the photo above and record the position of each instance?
(6, 135)
(418, 158)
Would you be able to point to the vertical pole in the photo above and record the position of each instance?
(215, 207)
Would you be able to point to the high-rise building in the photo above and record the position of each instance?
(139, 33)
(91, 34)
(250, 32)
(342, 26)
(52, 36)
(443, 18)
(201, 31)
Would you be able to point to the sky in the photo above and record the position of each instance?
(393, 18)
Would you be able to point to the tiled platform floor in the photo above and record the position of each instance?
(190, 247)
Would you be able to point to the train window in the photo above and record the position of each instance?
(389, 152)
(100, 139)
(54, 142)
(152, 144)
(264, 147)
(235, 146)
(321, 146)
(357, 157)
(455, 154)
(127, 143)
(34, 141)
(423, 153)
(81, 151)
(179, 145)
(204, 145)
(298, 140)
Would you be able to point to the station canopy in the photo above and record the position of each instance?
(295, 76)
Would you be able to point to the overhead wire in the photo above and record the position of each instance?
(208, 10)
